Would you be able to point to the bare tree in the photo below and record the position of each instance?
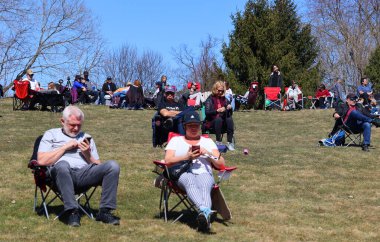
(121, 65)
(198, 68)
(149, 68)
(51, 38)
(348, 32)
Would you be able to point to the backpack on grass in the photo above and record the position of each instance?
(336, 140)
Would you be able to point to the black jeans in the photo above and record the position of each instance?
(219, 123)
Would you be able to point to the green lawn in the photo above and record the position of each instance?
(287, 188)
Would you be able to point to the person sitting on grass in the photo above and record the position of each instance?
(73, 163)
(356, 118)
(198, 181)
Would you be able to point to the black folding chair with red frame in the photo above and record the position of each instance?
(168, 186)
(45, 186)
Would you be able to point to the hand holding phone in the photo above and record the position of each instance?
(195, 148)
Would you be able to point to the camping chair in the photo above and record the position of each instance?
(44, 185)
(159, 134)
(21, 94)
(169, 187)
(272, 97)
(313, 102)
(351, 137)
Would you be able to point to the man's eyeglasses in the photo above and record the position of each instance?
(170, 93)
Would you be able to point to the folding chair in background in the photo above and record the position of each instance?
(272, 97)
(21, 94)
(169, 187)
(44, 185)
(313, 101)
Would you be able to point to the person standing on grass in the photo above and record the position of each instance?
(74, 165)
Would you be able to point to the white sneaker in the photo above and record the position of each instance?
(230, 146)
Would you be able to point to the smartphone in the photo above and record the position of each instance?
(195, 148)
(88, 139)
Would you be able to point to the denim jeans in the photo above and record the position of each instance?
(358, 122)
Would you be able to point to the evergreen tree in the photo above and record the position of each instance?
(373, 69)
(264, 35)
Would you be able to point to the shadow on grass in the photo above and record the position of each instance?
(57, 211)
(189, 218)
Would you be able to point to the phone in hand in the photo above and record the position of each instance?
(195, 148)
(87, 139)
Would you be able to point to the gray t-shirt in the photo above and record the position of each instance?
(55, 138)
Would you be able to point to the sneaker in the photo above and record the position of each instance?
(107, 217)
(376, 122)
(365, 148)
(230, 146)
(219, 143)
(203, 223)
(74, 218)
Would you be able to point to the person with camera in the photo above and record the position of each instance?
(74, 165)
(198, 180)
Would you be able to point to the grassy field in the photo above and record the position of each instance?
(287, 188)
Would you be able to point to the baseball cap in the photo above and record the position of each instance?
(191, 117)
(352, 97)
(171, 89)
(109, 78)
(29, 72)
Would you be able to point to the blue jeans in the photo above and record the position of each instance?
(358, 122)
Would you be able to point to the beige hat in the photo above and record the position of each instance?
(129, 84)
(29, 72)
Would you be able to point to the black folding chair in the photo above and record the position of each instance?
(45, 186)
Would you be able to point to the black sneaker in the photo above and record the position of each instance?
(203, 222)
(107, 217)
(74, 218)
(365, 147)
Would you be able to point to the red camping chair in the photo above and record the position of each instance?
(45, 185)
(21, 94)
(272, 97)
(168, 187)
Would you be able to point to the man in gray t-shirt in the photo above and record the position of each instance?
(74, 165)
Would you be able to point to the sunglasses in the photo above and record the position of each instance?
(170, 93)
(221, 90)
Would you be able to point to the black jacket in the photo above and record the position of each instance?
(109, 87)
(211, 112)
(343, 108)
(275, 80)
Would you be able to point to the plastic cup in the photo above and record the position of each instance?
(245, 151)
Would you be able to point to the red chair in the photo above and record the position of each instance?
(21, 94)
(272, 97)
(169, 187)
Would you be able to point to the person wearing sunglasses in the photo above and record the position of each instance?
(218, 111)
(356, 118)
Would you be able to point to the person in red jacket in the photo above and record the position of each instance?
(322, 94)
